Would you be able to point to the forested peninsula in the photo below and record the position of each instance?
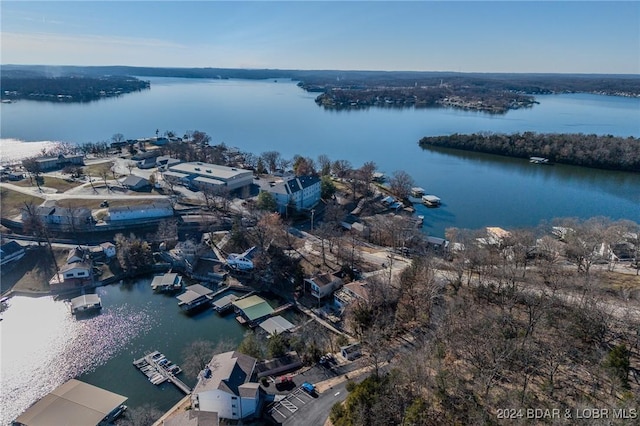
(67, 88)
(602, 152)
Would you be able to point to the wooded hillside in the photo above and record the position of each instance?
(604, 152)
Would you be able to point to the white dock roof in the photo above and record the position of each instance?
(85, 300)
(276, 325)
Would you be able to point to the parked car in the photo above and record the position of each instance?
(309, 388)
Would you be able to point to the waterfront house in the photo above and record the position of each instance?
(242, 261)
(199, 175)
(72, 275)
(226, 386)
(10, 252)
(252, 309)
(300, 192)
(74, 403)
(195, 297)
(323, 285)
(136, 183)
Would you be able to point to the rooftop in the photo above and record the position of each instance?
(213, 170)
(73, 403)
(226, 371)
(253, 307)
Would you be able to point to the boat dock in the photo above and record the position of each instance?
(159, 369)
(224, 304)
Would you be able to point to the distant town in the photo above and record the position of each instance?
(256, 235)
(490, 93)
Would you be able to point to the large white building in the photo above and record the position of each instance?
(300, 192)
(225, 387)
(154, 210)
(198, 175)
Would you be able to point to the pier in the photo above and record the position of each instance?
(159, 369)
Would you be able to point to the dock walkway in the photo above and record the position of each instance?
(158, 370)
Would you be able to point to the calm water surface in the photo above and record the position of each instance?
(42, 345)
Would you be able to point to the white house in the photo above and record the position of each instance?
(242, 261)
(323, 285)
(226, 387)
(302, 192)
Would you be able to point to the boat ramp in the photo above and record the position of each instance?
(159, 369)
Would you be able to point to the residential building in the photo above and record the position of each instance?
(136, 183)
(242, 261)
(299, 192)
(76, 254)
(74, 403)
(146, 163)
(353, 292)
(323, 285)
(164, 162)
(155, 210)
(204, 175)
(72, 218)
(226, 387)
(10, 252)
(53, 163)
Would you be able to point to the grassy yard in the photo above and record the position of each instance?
(33, 271)
(12, 201)
(50, 182)
(96, 170)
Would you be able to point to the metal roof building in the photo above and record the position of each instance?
(253, 307)
(73, 403)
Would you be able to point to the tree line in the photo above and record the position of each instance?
(521, 322)
(603, 152)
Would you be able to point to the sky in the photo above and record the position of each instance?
(472, 36)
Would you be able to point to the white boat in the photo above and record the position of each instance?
(431, 200)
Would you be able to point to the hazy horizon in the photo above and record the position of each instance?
(421, 36)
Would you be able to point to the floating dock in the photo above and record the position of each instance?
(85, 303)
(159, 369)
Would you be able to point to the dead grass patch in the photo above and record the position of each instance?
(33, 271)
(12, 201)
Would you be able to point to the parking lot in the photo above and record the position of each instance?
(287, 407)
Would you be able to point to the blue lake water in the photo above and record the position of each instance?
(477, 190)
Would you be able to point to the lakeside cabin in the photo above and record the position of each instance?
(197, 296)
